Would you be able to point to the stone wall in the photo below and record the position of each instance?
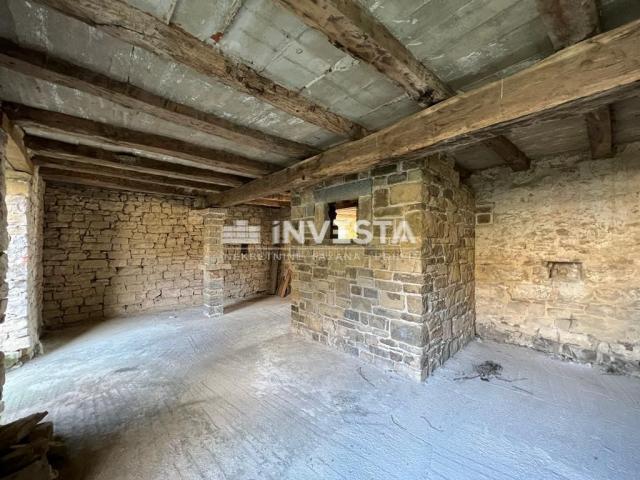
(249, 273)
(108, 253)
(36, 240)
(4, 243)
(558, 268)
(19, 334)
(405, 307)
(448, 262)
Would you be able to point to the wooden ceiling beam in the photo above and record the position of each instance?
(350, 27)
(510, 154)
(36, 121)
(114, 172)
(129, 24)
(54, 149)
(58, 175)
(16, 154)
(354, 30)
(569, 22)
(579, 78)
(41, 65)
(267, 202)
(68, 173)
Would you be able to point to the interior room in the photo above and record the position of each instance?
(293, 239)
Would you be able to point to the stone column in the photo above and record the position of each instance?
(4, 242)
(214, 263)
(19, 333)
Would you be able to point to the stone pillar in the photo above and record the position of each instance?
(19, 333)
(4, 241)
(214, 263)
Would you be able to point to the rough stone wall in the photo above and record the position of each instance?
(558, 269)
(36, 239)
(448, 256)
(4, 243)
(249, 274)
(19, 334)
(404, 307)
(109, 253)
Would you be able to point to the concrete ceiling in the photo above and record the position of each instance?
(465, 42)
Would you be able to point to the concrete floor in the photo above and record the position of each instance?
(179, 396)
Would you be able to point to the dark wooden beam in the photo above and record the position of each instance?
(350, 27)
(54, 149)
(92, 180)
(508, 152)
(569, 22)
(68, 173)
(267, 202)
(120, 20)
(44, 67)
(113, 172)
(353, 29)
(36, 121)
(578, 79)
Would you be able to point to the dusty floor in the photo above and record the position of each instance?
(179, 396)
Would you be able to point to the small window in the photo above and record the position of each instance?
(244, 248)
(343, 216)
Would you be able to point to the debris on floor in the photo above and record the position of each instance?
(28, 450)
(615, 368)
(484, 371)
(488, 370)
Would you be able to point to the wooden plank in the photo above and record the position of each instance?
(600, 130)
(53, 149)
(92, 180)
(118, 138)
(14, 432)
(578, 78)
(15, 151)
(352, 28)
(127, 23)
(125, 174)
(284, 286)
(569, 21)
(41, 65)
(266, 202)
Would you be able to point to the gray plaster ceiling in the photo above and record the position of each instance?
(465, 42)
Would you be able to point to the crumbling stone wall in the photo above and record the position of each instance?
(19, 334)
(108, 253)
(404, 307)
(558, 268)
